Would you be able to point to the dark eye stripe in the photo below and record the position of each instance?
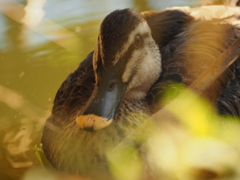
(122, 62)
(125, 58)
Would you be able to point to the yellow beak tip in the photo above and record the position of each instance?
(92, 122)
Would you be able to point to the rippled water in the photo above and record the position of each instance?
(42, 41)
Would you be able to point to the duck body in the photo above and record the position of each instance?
(138, 54)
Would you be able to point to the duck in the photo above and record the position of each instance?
(121, 82)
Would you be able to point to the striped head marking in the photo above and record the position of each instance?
(116, 34)
(126, 62)
(125, 39)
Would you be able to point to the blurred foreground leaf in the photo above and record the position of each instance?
(125, 163)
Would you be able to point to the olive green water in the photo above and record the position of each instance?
(40, 45)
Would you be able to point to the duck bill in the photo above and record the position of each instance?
(104, 102)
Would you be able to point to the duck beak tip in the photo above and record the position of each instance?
(92, 122)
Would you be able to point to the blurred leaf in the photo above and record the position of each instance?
(125, 163)
(192, 110)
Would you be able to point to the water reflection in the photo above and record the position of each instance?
(42, 41)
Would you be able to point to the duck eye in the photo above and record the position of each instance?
(137, 41)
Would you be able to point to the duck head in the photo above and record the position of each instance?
(126, 64)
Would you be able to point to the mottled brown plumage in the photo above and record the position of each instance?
(187, 46)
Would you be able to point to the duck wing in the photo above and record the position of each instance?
(228, 103)
(74, 92)
(166, 25)
(194, 51)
